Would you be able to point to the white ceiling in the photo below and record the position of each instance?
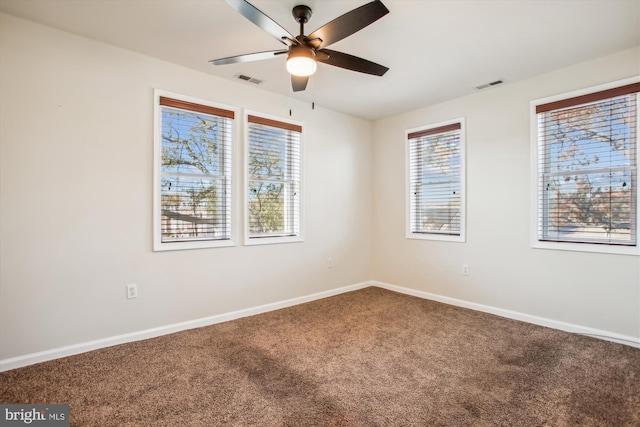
(436, 50)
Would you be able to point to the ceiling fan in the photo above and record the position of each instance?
(304, 51)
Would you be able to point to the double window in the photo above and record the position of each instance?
(194, 192)
(435, 182)
(586, 192)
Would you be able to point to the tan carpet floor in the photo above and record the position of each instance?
(366, 358)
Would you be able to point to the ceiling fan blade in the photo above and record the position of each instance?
(254, 15)
(248, 57)
(353, 63)
(299, 83)
(347, 24)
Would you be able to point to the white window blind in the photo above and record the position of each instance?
(436, 200)
(587, 168)
(273, 157)
(195, 172)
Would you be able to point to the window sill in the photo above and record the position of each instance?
(251, 241)
(436, 237)
(587, 247)
(205, 244)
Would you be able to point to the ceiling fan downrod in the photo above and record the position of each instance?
(302, 14)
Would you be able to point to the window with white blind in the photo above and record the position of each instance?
(192, 202)
(436, 182)
(273, 200)
(586, 183)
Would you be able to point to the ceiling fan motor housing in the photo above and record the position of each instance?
(301, 50)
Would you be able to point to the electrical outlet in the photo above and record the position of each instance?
(329, 262)
(465, 270)
(132, 291)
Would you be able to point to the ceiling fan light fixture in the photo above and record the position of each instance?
(301, 61)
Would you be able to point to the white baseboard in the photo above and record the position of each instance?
(56, 353)
(536, 320)
(70, 350)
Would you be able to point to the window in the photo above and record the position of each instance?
(193, 142)
(436, 184)
(273, 202)
(587, 155)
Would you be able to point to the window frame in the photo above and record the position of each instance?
(158, 244)
(538, 202)
(461, 238)
(258, 240)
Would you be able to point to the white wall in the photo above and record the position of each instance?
(593, 290)
(76, 146)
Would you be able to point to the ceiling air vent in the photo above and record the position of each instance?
(486, 85)
(248, 79)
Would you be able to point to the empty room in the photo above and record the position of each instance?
(319, 213)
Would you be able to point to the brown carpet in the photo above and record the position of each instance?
(366, 358)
